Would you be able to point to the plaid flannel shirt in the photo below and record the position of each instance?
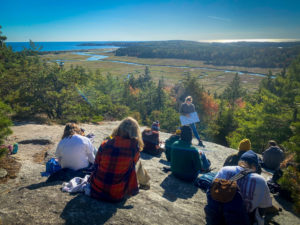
(115, 175)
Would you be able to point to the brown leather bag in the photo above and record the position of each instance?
(223, 190)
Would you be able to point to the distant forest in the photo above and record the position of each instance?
(246, 54)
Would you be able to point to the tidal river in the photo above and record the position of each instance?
(96, 57)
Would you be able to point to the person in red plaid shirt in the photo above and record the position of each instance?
(115, 177)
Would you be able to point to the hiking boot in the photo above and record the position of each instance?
(144, 186)
(201, 144)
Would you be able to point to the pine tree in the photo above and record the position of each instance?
(2, 38)
(233, 91)
(160, 95)
(5, 121)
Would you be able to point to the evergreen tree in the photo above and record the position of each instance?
(5, 121)
(233, 91)
(2, 38)
(223, 125)
(160, 95)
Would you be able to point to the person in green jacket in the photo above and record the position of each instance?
(169, 142)
(185, 158)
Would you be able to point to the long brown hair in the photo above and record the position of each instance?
(130, 129)
(70, 130)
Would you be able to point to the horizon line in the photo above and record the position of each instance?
(205, 41)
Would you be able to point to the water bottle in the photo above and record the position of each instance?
(15, 148)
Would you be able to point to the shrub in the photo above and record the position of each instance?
(290, 181)
(5, 121)
(3, 151)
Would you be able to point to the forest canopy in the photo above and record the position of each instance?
(246, 54)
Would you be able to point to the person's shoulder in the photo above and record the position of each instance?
(146, 131)
(155, 133)
(81, 138)
(234, 155)
(184, 146)
(259, 179)
(227, 170)
(105, 143)
(230, 169)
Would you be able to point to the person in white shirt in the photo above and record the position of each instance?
(74, 151)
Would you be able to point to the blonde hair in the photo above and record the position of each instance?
(130, 129)
(243, 164)
(246, 165)
(188, 98)
(70, 130)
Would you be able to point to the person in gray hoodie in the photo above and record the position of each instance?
(273, 156)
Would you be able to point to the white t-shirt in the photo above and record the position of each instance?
(254, 188)
(75, 152)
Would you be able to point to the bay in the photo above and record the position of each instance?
(60, 46)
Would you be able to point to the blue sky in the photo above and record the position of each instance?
(136, 20)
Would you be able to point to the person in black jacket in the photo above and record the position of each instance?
(151, 140)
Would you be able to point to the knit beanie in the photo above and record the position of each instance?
(251, 158)
(245, 145)
(155, 126)
(178, 131)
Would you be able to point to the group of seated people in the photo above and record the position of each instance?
(118, 172)
(271, 157)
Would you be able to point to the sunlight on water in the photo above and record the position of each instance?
(249, 40)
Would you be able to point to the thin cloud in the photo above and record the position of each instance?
(219, 18)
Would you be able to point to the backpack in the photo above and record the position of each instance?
(223, 190)
(225, 204)
(52, 166)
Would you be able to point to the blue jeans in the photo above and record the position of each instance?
(193, 126)
(205, 162)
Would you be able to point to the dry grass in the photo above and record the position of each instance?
(10, 164)
(214, 81)
(39, 157)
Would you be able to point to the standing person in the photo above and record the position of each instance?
(74, 151)
(185, 109)
(254, 192)
(118, 168)
(273, 156)
(186, 161)
(151, 140)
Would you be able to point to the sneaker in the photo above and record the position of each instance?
(201, 144)
(144, 186)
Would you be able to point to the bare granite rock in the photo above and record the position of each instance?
(28, 199)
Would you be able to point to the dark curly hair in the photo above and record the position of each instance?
(186, 134)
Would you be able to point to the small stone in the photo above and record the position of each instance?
(3, 172)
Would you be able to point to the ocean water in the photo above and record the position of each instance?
(58, 46)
